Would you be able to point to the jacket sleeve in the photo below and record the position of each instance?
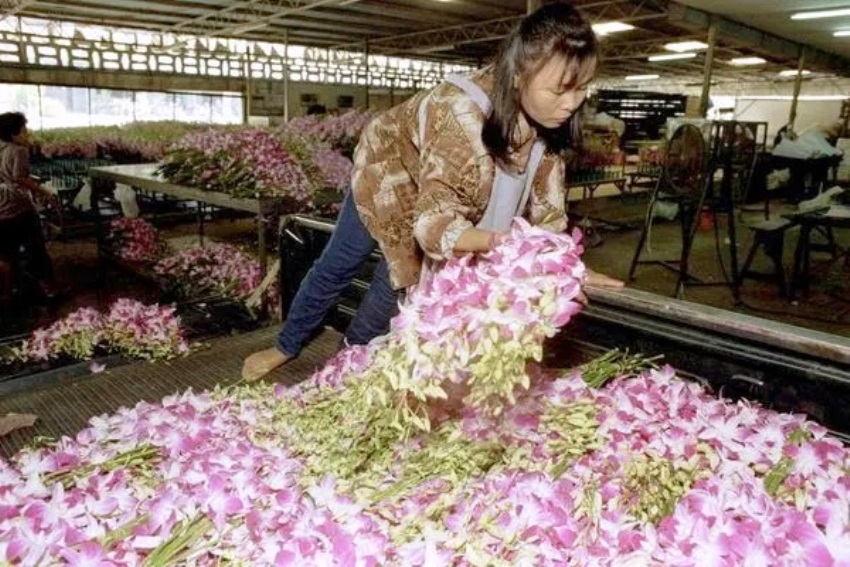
(449, 177)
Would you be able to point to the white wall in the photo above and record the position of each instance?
(776, 112)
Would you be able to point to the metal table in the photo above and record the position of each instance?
(836, 216)
(143, 176)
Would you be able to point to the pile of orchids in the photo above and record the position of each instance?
(135, 240)
(245, 163)
(220, 269)
(340, 132)
(136, 142)
(252, 163)
(129, 328)
(441, 444)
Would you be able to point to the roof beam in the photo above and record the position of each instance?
(13, 7)
(488, 30)
(764, 42)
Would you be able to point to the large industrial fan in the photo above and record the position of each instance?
(682, 181)
(709, 168)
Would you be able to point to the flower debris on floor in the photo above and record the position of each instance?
(607, 464)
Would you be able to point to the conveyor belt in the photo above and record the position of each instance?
(65, 407)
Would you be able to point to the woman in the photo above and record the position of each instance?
(445, 172)
(20, 226)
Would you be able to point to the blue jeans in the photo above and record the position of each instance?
(348, 248)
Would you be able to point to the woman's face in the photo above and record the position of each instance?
(556, 90)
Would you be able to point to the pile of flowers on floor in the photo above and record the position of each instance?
(129, 328)
(135, 240)
(612, 463)
(220, 269)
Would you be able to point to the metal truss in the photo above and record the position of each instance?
(233, 20)
(13, 7)
(490, 30)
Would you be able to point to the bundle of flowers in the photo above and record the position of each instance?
(147, 332)
(129, 328)
(246, 163)
(325, 167)
(135, 240)
(334, 169)
(221, 269)
(341, 132)
(75, 336)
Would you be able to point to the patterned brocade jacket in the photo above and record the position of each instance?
(411, 193)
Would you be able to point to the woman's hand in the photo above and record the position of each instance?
(595, 279)
(476, 240)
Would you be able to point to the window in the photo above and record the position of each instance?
(49, 107)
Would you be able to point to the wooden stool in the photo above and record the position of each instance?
(771, 235)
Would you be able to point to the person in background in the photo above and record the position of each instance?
(317, 110)
(444, 173)
(20, 226)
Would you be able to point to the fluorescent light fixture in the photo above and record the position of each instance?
(842, 33)
(793, 72)
(605, 28)
(671, 56)
(741, 61)
(821, 14)
(683, 46)
(642, 77)
(813, 98)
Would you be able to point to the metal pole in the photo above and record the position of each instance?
(368, 76)
(286, 75)
(248, 102)
(705, 99)
(798, 85)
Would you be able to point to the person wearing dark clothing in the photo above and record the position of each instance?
(20, 227)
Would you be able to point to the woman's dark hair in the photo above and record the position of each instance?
(11, 124)
(557, 29)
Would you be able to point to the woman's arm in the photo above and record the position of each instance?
(450, 162)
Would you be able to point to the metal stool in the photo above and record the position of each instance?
(771, 235)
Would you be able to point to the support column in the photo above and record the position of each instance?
(533, 5)
(286, 75)
(705, 97)
(366, 57)
(247, 105)
(798, 85)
